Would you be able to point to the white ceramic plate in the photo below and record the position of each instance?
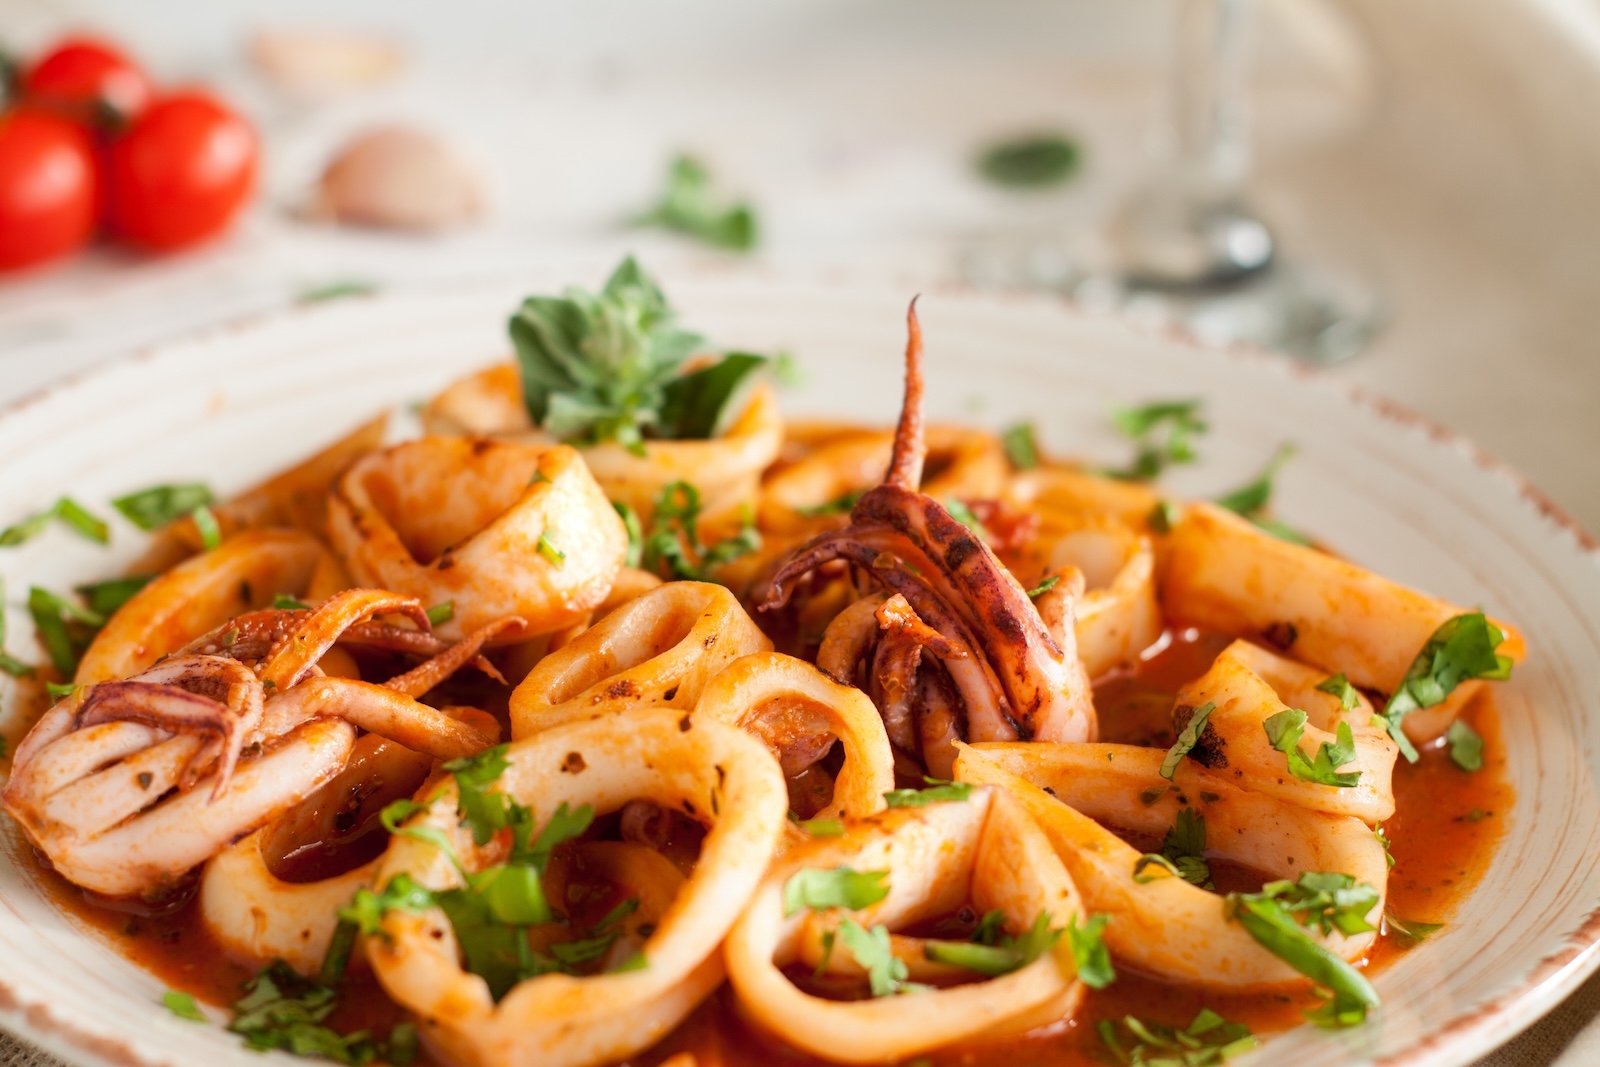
(1380, 486)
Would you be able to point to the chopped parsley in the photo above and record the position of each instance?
(1408, 933)
(938, 791)
(65, 510)
(1163, 517)
(992, 952)
(963, 514)
(822, 827)
(205, 522)
(1328, 901)
(182, 1005)
(886, 972)
(1463, 648)
(688, 207)
(548, 550)
(673, 549)
(285, 602)
(1163, 433)
(1183, 852)
(1340, 686)
(1383, 839)
(1187, 739)
(1030, 161)
(1250, 500)
(1209, 1039)
(609, 366)
(1044, 587)
(440, 613)
(635, 531)
(57, 690)
(1089, 951)
(153, 508)
(104, 598)
(1284, 730)
(65, 628)
(1466, 746)
(1022, 446)
(841, 887)
(335, 291)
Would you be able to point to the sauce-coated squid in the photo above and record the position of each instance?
(1164, 925)
(439, 519)
(1247, 686)
(1225, 574)
(726, 469)
(983, 849)
(661, 647)
(712, 772)
(801, 713)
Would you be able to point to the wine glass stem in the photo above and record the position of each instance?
(1209, 140)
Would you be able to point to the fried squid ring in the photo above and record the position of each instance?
(200, 594)
(1248, 685)
(1227, 575)
(799, 712)
(726, 470)
(1166, 926)
(496, 528)
(939, 857)
(256, 912)
(661, 647)
(969, 465)
(713, 772)
(1014, 679)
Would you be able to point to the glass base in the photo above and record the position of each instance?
(1315, 317)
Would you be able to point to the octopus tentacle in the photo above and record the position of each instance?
(910, 437)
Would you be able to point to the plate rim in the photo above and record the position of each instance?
(1479, 1032)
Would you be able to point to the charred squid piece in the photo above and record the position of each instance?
(1013, 678)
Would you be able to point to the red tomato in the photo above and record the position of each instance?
(80, 73)
(47, 187)
(180, 173)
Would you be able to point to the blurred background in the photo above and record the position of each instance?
(1432, 161)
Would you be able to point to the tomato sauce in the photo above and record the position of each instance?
(1443, 837)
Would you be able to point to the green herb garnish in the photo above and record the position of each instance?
(105, 598)
(1208, 1040)
(1250, 500)
(841, 887)
(687, 206)
(1326, 900)
(1408, 933)
(65, 628)
(1340, 686)
(66, 510)
(1183, 852)
(441, 613)
(1466, 746)
(839, 505)
(1044, 587)
(1021, 445)
(182, 1005)
(938, 791)
(1463, 648)
(9, 663)
(319, 294)
(1031, 161)
(153, 508)
(630, 523)
(205, 522)
(548, 551)
(1283, 732)
(1163, 433)
(886, 972)
(822, 827)
(673, 549)
(1187, 739)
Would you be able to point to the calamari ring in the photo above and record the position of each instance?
(662, 647)
(258, 915)
(726, 470)
(938, 856)
(1225, 574)
(713, 772)
(1166, 926)
(970, 465)
(1116, 617)
(788, 702)
(1247, 685)
(1066, 489)
(438, 519)
(202, 593)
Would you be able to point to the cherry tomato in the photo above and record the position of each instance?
(180, 173)
(82, 73)
(47, 187)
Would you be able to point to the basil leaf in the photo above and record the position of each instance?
(153, 508)
(1030, 162)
